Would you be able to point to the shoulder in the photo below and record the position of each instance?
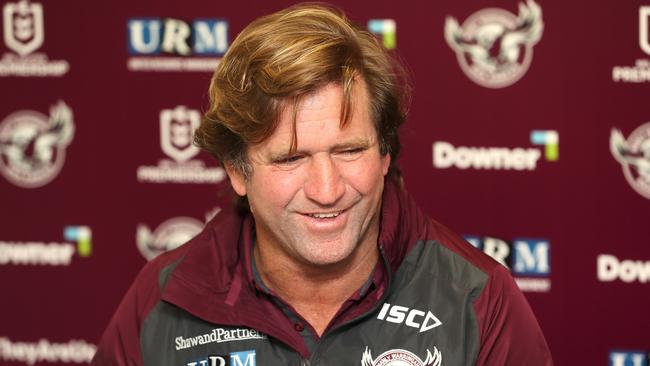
(451, 257)
(507, 329)
(216, 243)
(120, 343)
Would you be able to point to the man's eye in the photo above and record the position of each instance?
(288, 159)
(352, 151)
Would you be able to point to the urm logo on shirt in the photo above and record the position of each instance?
(242, 358)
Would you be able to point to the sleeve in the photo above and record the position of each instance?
(509, 333)
(120, 343)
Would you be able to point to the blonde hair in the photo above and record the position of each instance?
(280, 58)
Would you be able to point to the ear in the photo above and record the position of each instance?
(237, 179)
(385, 163)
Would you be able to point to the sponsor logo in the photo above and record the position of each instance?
(177, 128)
(640, 72)
(413, 318)
(73, 351)
(401, 357)
(446, 155)
(39, 253)
(495, 47)
(243, 358)
(386, 29)
(169, 235)
(168, 44)
(83, 236)
(634, 156)
(611, 268)
(33, 145)
(23, 33)
(529, 260)
(218, 335)
(628, 358)
(550, 140)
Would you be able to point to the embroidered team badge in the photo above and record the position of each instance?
(401, 357)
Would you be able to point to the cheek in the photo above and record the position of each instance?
(366, 174)
(273, 188)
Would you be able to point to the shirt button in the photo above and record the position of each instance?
(298, 327)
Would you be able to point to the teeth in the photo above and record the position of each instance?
(325, 215)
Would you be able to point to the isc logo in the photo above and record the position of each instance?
(628, 358)
(527, 257)
(414, 318)
(151, 36)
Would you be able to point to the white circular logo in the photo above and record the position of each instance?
(32, 145)
(493, 46)
(169, 235)
(401, 357)
(634, 156)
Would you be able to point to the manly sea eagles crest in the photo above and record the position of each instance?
(401, 357)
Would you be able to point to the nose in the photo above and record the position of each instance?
(324, 184)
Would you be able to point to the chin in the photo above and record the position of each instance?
(327, 254)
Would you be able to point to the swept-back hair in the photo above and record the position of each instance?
(280, 58)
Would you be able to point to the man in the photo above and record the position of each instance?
(330, 263)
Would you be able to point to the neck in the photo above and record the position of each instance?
(316, 292)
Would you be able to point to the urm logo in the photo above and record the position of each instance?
(248, 358)
(152, 36)
(531, 257)
(628, 358)
(550, 139)
(387, 29)
(528, 259)
(243, 358)
(83, 236)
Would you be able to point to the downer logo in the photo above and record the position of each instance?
(446, 155)
(528, 259)
(611, 268)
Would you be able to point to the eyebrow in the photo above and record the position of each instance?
(354, 143)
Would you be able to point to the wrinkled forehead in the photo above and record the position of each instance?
(324, 112)
(334, 98)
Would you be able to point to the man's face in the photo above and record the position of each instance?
(321, 203)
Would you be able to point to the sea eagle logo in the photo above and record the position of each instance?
(493, 46)
(634, 156)
(169, 235)
(401, 357)
(32, 145)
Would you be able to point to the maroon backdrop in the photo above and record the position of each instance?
(529, 134)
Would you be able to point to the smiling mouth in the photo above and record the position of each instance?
(325, 215)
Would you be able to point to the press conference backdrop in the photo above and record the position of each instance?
(529, 133)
